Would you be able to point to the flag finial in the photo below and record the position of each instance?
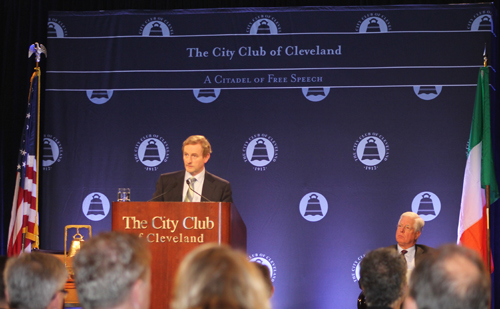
(37, 49)
(485, 58)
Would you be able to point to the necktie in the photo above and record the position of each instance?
(189, 193)
(403, 252)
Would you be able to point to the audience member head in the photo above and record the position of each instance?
(215, 276)
(266, 274)
(383, 278)
(409, 229)
(452, 277)
(35, 281)
(113, 269)
(3, 301)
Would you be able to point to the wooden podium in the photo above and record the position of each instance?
(175, 228)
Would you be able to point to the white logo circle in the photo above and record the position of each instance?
(206, 95)
(373, 24)
(55, 29)
(151, 151)
(356, 267)
(260, 150)
(315, 94)
(370, 149)
(95, 206)
(264, 26)
(156, 28)
(427, 205)
(313, 206)
(427, 92)
(264, 260)
(51, 151)
(99, 96)
(482, 22)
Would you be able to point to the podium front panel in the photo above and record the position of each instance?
(173, 229)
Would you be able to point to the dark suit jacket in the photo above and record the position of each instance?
(420, 251)
(215, 189)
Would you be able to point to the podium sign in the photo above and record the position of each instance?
(175, 228)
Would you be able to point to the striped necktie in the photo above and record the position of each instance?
(189, 193)
(403, 252)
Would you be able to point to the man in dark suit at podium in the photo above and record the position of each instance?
(194, 184)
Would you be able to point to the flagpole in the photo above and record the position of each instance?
(25, 233)
(38, 50)
(488, 244)
(488, 240)
(36, 231)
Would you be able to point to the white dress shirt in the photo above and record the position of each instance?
(197, 186)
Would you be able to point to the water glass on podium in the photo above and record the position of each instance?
(123, 194)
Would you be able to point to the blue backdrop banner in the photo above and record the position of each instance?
(329, 122)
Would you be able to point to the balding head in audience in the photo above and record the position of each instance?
(113, 270)
(453, 277)
(215, 276)
(35, 281)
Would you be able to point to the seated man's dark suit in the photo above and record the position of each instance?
(420, 251)
(215, 189)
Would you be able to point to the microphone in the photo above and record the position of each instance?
(190, 188)
(154, 198)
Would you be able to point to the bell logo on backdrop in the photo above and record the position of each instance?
(206, 95)
(371, 149)
(99, 96)
(264, 24)
(56, 29)
(266, 261)
(313, 206)
(427, 205)
(52, 151)
(95, 206)
(151, 150)
(482, 21)
(156, 26)
(260, 150)
(373, 23)
(315, 94)
(427, 92)
(355, 269)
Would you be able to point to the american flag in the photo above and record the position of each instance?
(24, 216)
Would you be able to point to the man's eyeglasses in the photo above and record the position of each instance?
(407, 227)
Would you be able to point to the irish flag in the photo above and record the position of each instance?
(479, 172)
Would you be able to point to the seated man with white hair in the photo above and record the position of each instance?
(408, 231)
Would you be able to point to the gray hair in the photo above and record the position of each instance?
(33, 279)
(383, 277)
(107, 266)
(419, 222)
(215, 276)
(452, 277)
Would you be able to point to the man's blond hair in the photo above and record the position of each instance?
(198, 139)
